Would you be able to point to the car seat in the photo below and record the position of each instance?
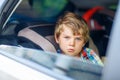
(40, 35)
(43, 36)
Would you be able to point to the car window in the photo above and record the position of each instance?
(30, 14)
(56, 63)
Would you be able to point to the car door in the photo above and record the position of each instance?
(7, 7)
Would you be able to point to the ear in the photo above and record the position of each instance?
(56, 39)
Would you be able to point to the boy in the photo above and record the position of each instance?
(71, 34)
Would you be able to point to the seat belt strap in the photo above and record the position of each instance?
(37, 39)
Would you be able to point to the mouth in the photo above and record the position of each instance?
(71, 50)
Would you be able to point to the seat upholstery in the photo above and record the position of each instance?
(46, 31)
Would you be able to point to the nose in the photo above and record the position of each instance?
(72, 42)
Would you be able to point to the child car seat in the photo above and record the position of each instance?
(40, 35)
(43, 36)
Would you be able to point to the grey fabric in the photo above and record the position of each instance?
(37, 39)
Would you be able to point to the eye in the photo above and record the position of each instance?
(66, 37)
(78, 38)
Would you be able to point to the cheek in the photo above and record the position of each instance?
(80, 45)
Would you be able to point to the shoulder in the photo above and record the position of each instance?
(89, 51)
(92, 56)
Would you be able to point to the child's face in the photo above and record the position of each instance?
(69, 43)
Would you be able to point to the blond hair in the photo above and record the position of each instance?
(73, 21)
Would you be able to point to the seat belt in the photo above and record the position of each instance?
(37, 39)
(93, 46)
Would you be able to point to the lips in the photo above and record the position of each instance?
(70, 50)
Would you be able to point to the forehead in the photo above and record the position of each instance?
(72, 29)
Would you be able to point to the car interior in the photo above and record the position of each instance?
(29, 28)
(45, 28)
